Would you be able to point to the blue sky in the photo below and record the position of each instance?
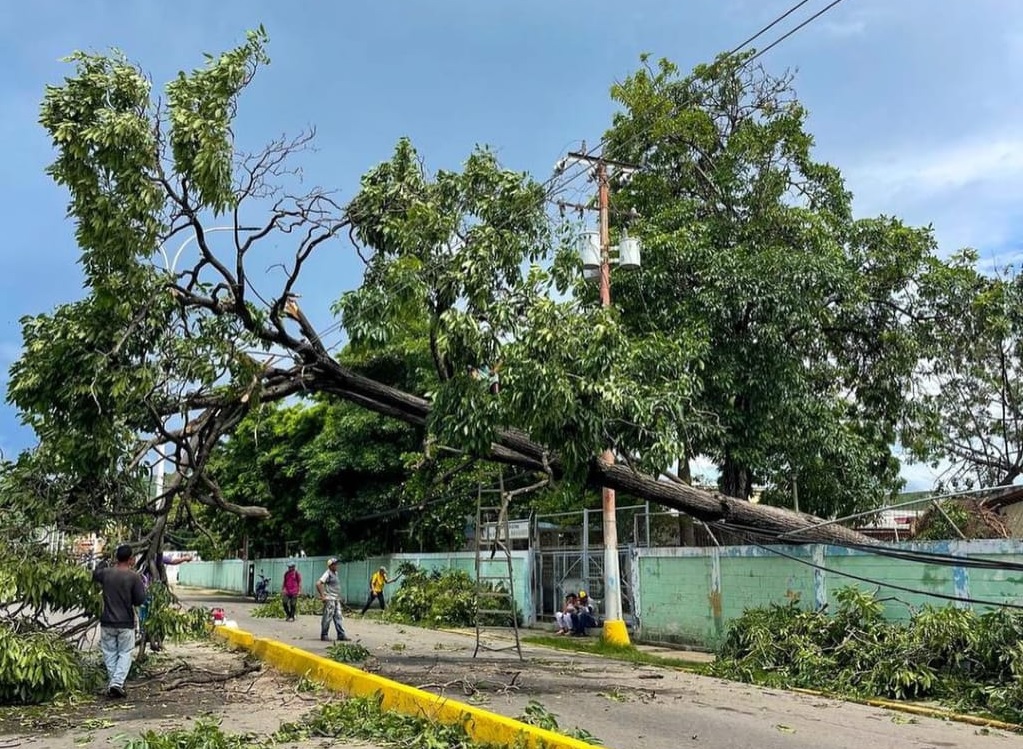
(915, 101)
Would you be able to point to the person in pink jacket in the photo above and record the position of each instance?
(290, 591)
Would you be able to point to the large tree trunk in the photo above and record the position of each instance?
(513, 447)
(736, 480)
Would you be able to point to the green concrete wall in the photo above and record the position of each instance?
(230, 575)
(689, 595)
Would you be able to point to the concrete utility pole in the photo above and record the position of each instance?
(615, 631)
(614, 626)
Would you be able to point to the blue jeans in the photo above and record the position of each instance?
(117, 646)
(332, 613)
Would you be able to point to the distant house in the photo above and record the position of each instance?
(994, 514)
(892, 525)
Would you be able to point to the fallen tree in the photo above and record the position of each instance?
(180, 354)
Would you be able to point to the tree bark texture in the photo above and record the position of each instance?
(513, 447)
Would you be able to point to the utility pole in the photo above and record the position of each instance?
(615, 631)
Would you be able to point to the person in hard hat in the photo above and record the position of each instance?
(376, 589)
(583, 617)
(290, 590)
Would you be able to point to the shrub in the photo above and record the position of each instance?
(274, 607)
(166, 621)
(965, 660)
(36, 666)
(439, 599)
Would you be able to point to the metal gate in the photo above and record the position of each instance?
(566, 570)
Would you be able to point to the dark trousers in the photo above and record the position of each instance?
(290, 605)
(369, 601)
(581, 621)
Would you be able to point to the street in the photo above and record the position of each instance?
(625, 706)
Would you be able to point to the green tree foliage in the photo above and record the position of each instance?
(45, 599)
(969, 390)
(968, 661)
(177, 354)
(37, 586)
(37, 666)
(342, 480)
(319, 469)
(751, 247)
(437, 598)
(451, 249)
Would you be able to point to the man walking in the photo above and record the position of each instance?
(122, 592)
(376, 589)
(290, 591)
(328, 587)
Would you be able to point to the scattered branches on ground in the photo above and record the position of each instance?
(967, 661)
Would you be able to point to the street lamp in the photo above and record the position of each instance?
(170, 264)
(595, 249)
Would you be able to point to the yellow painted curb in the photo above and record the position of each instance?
(615, 632)
(928, 712)
(481, 725)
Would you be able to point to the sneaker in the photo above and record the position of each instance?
(324, 638)
(116, 692)
(344, 638)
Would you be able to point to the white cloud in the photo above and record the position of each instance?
(919, 476)
(946, 168)
(971, 190)
(845, 28)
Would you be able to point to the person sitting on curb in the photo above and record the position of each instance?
(290, 590)
(376, 589)
(563, 618)
(328, 587)
(122, 592)
(583, 617)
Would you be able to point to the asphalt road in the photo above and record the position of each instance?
(625, 706)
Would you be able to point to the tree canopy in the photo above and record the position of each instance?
(760, 292)
(751, 245)
(966, 405)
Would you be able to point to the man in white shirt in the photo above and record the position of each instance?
(328, 587)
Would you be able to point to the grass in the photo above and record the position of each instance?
(627, 653)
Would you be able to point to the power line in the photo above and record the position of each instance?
(769, 26)
(548, 185)
(893, 552)
(883, 508)
(785, 36)
(891, 586)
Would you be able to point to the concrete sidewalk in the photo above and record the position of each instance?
(625, 706)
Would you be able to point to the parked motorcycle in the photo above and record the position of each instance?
(262, 589)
